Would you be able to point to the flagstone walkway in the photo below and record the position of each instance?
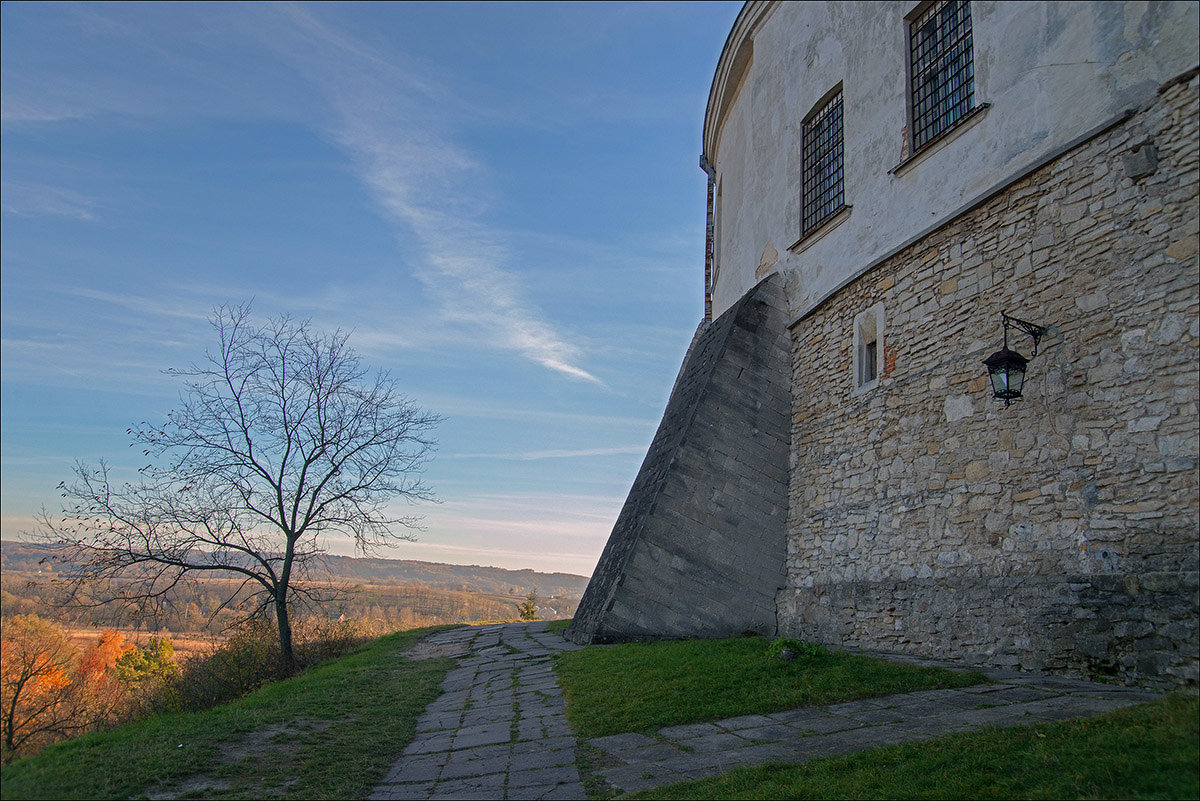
(499, 729)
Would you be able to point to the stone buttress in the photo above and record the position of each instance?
(698, 549)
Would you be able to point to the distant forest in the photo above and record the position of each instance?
(391, 593)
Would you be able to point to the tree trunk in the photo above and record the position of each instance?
(287, 659)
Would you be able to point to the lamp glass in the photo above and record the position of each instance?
(1006, 368)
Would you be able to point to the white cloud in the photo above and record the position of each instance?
(393, 124)
(39, 200)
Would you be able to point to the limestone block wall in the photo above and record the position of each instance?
(1061, 531)
(698, 549)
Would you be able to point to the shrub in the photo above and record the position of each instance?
(789, 648)
(250, 658)
(319, 638)
(528, 609)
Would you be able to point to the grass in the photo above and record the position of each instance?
(645, 686)
(331, 732)
(1146, 751)
(558, 625)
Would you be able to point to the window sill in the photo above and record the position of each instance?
(827, 225)
(968, 120)
(862, 389)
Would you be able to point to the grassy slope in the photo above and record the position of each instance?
(331, 732)
(1147, 751)
(643, 686)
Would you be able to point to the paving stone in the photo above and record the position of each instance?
(876, 736)
(632, 778)
(923, 709)
(848, 708)
(477, 718)
(690, 730)
(1131, 694)
(487, 734)
(530, 730)
(573, 791)
(877, 716)
(417, 769)
(936, 725)
(790, 716)
(774, 731)
(842, 742)
(1060, 684)
(744, 722)
(824, 724)
(714, 743)
(467, 768)
(622, 742)
(430, 744)
(475, 787)
(982, 689)
(544, 758)
(689, 763)
(402, 792)
(556, 726)
(758, 754)
(538, 776)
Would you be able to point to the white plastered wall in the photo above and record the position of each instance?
(1051, 72)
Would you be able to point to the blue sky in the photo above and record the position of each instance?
(501, 203)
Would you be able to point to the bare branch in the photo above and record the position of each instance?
(281, 438)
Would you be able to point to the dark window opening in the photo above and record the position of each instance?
(869, 370)
(942, 68)
(822, 183)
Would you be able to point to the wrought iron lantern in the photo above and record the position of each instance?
(1006, 368)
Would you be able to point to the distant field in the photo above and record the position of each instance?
(389, 594)
(186, 645)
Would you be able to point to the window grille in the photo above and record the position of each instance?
(823, 164)
(943, 69)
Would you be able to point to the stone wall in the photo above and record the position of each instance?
(1061, 531)
(698, 549)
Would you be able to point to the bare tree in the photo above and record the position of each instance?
(282, 439)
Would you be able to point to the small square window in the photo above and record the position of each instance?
(942, 68)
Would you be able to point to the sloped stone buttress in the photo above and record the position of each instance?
(698, 549)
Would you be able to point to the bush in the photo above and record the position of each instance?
(789, 648)
(317, 638)
(250, 658)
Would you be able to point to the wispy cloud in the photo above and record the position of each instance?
(389, 120)
(18, 110)
(40, 200)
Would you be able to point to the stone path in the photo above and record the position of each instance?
(499, 729)
(681, 753)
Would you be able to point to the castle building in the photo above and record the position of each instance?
(895, 191)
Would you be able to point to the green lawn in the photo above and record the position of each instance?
(1146, 751)
(331, 732)
(641, 686)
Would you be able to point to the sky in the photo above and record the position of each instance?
(500, 203)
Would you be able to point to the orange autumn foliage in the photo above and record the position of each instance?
(48, 690)
(98, 660)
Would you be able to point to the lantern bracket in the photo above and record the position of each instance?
(1034, 331)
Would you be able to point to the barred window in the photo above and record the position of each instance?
(942, 68)
(823, 164)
